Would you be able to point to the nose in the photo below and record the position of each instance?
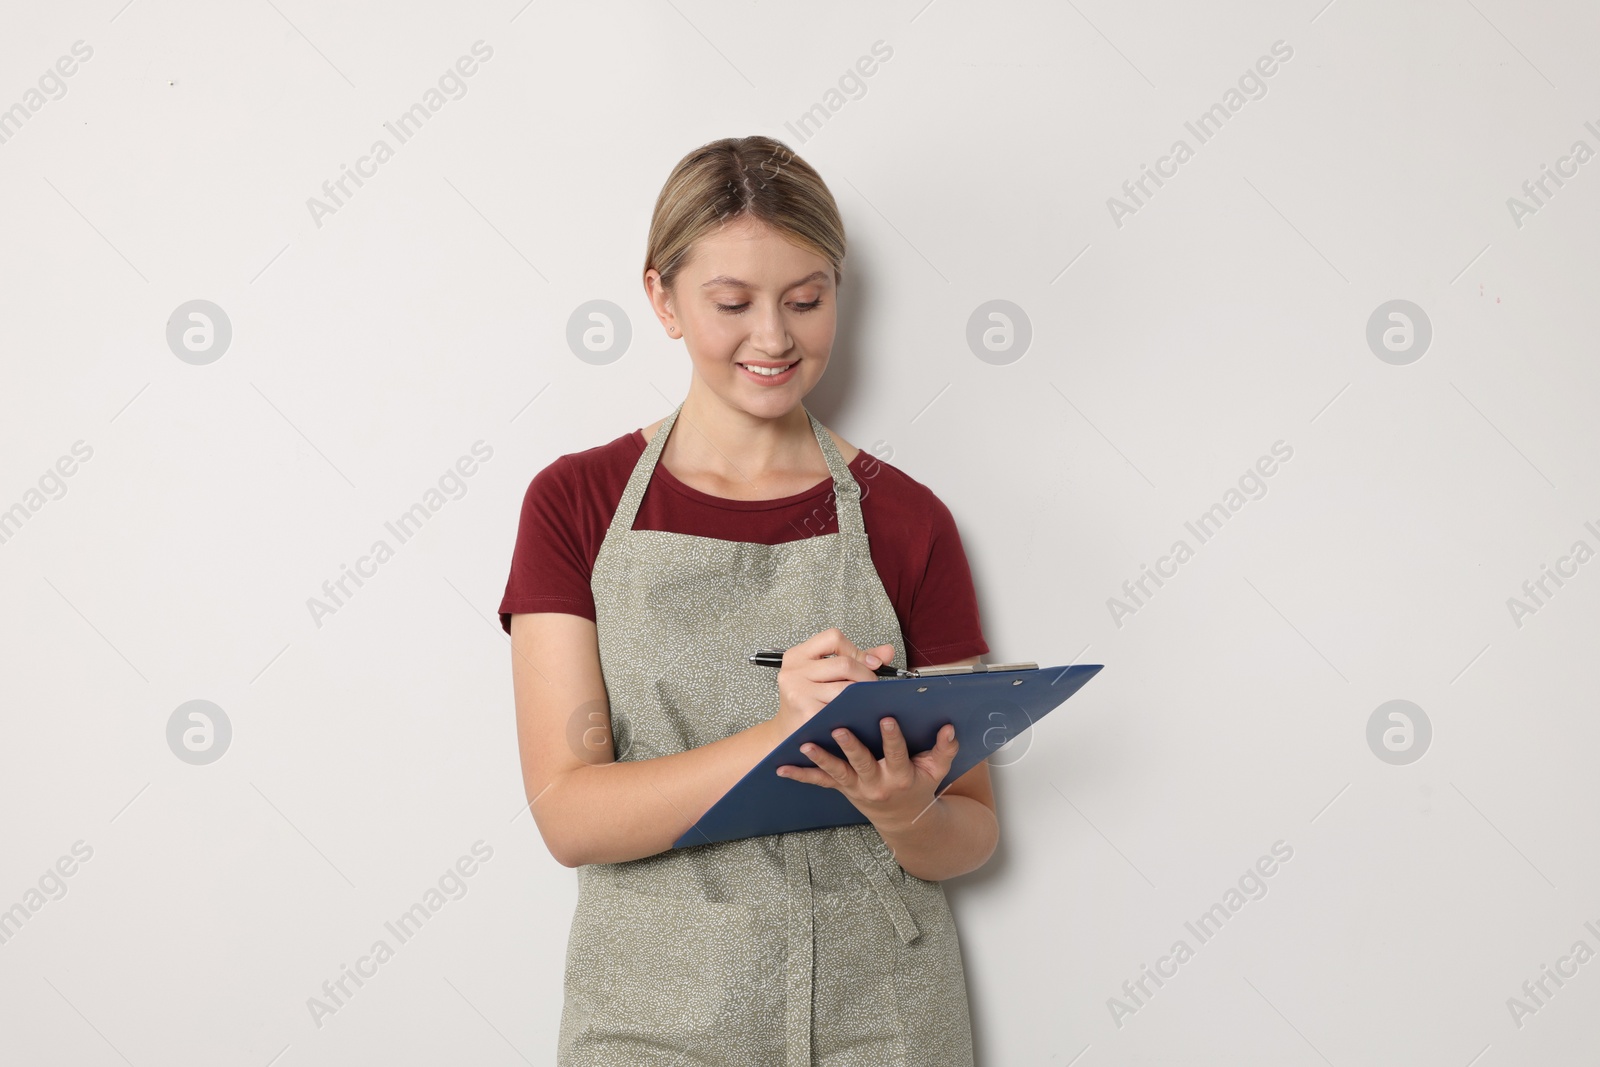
(768, 335)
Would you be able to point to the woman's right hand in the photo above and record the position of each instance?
(817, 670)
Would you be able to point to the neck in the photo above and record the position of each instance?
(711, 435)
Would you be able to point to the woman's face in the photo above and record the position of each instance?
(746, 295)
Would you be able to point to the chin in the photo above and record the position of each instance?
(772, 405)
(766, 402)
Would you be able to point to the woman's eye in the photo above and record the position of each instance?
(734, 309)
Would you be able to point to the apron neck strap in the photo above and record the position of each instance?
(847, 493)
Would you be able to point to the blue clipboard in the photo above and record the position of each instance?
(989, 709)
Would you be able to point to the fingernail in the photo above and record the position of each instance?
(873, 661)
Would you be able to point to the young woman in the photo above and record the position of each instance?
(645, 572)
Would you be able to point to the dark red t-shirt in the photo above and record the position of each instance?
(913, 539)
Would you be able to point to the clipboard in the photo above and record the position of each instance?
(990, 707)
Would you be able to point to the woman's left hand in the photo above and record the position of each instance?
(891, 792)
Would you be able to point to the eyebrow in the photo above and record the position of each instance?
(725, 280)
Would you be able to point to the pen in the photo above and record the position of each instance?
(773, 657)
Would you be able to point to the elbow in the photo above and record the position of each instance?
(993, 837)
(552, 824)
(561, 850)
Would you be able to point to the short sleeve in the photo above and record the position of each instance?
(942, 625)
(550, 567)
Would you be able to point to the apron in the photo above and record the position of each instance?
(785, 950)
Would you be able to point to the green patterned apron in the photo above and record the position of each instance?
(785, 950)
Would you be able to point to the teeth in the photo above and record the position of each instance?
(768, 372)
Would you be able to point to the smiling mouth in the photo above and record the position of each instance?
(768, 370)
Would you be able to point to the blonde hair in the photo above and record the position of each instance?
(738, 177)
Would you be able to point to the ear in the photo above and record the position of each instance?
(661, 302)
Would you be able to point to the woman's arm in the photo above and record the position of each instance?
(590, 808)
(957, 833)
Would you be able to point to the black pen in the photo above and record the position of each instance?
(773, 657)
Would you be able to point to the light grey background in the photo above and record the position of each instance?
(430, 311)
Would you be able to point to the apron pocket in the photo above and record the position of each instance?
(660, 970)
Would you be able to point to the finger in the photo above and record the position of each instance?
(876, 656)
(882, 653)
(829, 642)
(808, 775)
(838, 657)
(839, 669)
(895, 756)
(859, 755)
(945, 749)
(827, 762)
